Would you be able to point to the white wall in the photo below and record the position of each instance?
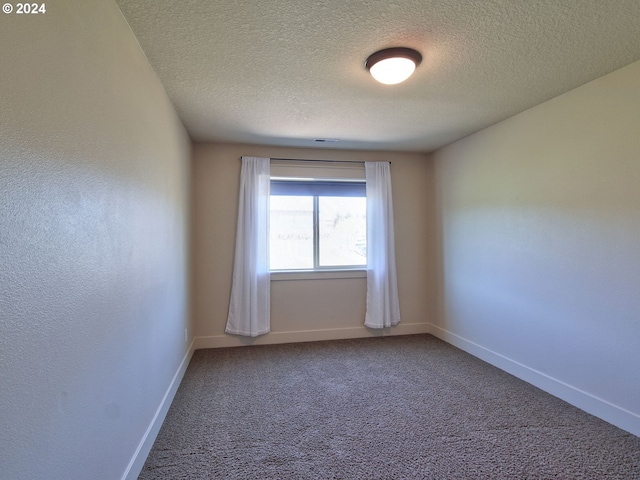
(540, 245)
(94, 180)
(305, 310)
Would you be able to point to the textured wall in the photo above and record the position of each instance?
(308, 309)
(540, 229)
(94, 172)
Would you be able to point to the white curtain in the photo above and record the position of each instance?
(249, 309)
(383, 308)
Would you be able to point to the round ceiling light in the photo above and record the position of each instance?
(393, 65)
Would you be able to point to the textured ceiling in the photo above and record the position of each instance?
(285, 72)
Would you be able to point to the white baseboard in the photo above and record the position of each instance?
(144, 447)
(218, 341)
(596, 406)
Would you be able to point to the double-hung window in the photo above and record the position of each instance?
(317, 224)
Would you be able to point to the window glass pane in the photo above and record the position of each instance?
(343, 231)
(291, 233)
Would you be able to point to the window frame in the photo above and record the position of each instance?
(317, 188)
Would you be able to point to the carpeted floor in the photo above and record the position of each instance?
(409, 407)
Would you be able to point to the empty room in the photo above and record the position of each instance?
(320, 240)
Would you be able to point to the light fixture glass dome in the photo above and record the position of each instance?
(393, 65)
(392, 70)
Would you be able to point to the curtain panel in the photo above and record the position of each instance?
(383, 308)
(249, 307)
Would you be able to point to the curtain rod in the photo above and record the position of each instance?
(322, 161)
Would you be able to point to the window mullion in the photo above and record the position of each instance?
(316, 232)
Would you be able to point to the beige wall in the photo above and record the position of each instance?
(540, 245)
(94, 181)
(307, 309)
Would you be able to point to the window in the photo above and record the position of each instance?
(317, 224)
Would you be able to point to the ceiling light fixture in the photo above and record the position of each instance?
(393, 65)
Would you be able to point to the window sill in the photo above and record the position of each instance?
(317, 274)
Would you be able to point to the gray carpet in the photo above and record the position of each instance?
(409, 407)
